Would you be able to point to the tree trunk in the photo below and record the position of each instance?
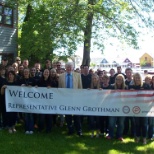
(87, 36)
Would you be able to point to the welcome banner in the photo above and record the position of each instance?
(79, 101)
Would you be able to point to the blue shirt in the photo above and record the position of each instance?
(71, 80)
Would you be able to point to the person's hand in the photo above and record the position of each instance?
(4, 86)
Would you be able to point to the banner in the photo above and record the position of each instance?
(79, 101)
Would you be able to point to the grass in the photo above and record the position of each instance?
(58, 142)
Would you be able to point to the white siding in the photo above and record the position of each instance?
(8, 36)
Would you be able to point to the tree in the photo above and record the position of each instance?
(60, 25)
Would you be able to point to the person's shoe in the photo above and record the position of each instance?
(80, 134)
(97, 135)
(120, 139)
(137, 139)
(144, 141)
(108, 137)
(92, 135)
(14, 130)
(152, 138)
(27, 132)
(31, 132)
(10, 131)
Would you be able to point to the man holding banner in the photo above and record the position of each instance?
(71, 79)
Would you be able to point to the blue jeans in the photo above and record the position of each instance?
(71, 124)
(45, 119)
(29, 122)
(113, 121)
(94, 122)
(151, 127)
(141, 124)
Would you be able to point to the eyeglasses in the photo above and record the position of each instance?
(119, 79)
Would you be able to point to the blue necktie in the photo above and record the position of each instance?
(68, 80)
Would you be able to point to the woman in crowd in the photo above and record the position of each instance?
(27, 81)
(9, 117)
(119, 121)
(141, 123)
(94, 121)
(105, 119)
(45, 118)
(151, 119)
(2, 104)
(54, 81)
(54, 77)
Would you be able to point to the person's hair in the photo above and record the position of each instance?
(112, 69)
(106, 76)
(138, 75)
(123, 86)
(13, 73)
(128, 69)
(85, 66)
(97, 83)
(69, 64)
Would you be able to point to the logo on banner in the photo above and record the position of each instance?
(136, 109)
(126, 109)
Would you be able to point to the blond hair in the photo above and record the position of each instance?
(123, 86)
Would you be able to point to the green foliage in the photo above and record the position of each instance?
(59, 26)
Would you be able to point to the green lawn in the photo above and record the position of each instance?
(58, 142)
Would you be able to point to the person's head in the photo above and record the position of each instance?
(62, 70)
(2, 72)
(54, 65)
(128, 72)
(81, 68)
(120, 82)
(152, 80)
(112, 72)
(33, 71)
(85, 69)
(10, 68)
(53, 72)
(25, 63)
(105, 79)
(26, 73)
(77, 70)
(48, 64)
(69, 67)
(18, 60)
(37, 66)
(21, 68)
(119, 69)
(91, 71)
(46, 74)
(104, 72)
(137, 79)
(58, 64)
(148, 79)
(95, 77)
(4, 61)
(11, 76)
(15, 65)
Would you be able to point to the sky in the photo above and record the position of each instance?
(146, 44)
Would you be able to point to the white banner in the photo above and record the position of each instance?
(79, 101)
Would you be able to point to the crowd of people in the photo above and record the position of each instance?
(55, 76)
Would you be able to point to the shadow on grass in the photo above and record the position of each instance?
(58, 142)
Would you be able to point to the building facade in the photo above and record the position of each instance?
(8, 30)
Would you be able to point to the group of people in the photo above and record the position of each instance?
(54, 76)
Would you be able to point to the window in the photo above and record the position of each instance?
(6, 15)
